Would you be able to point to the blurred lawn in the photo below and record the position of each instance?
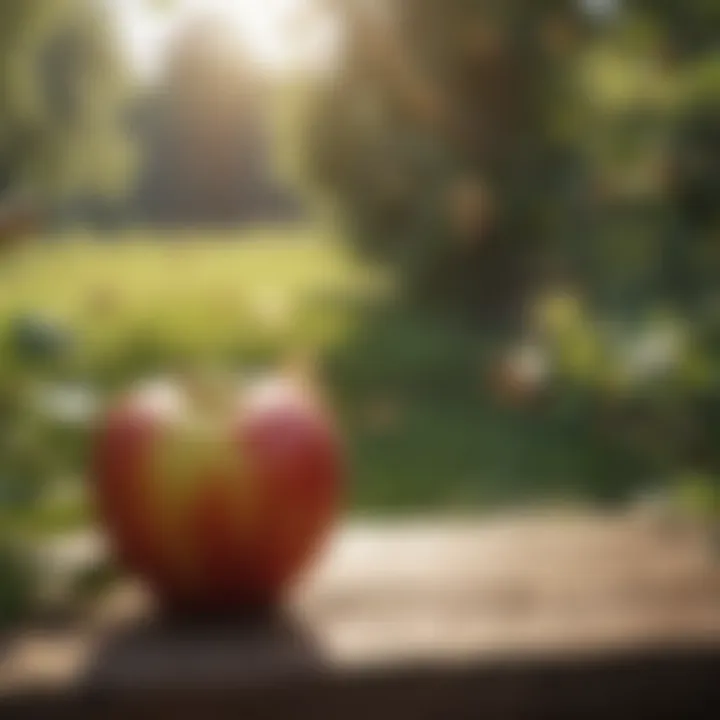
(138, 299)
(424, 428)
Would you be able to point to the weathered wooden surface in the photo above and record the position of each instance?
(527, 617)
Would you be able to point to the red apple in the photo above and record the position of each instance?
(217, 500)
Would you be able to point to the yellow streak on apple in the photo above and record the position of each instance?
(189, 454)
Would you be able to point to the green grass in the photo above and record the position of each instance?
(423, 431)
(185, 297)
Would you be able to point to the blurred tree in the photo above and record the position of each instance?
(442, 133)
(63, 84)
(206, 136)
(490, 149)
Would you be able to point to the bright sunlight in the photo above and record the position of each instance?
(281, 36)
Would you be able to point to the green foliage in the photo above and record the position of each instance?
(17, 585)
(491, 151)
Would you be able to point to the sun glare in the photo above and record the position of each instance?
(280, 35)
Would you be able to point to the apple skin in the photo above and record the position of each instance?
(218, 506)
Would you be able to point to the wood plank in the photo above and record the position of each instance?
(581, 616)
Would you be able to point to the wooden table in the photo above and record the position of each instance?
(523, 617)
